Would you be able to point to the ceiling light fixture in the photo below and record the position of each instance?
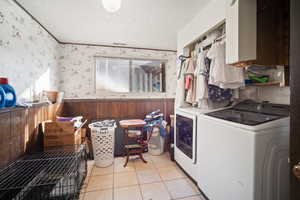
(112, 5)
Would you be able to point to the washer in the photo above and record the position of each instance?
(243, 152)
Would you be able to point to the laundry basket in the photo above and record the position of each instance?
(103, 140)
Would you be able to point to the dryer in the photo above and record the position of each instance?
(186, 131)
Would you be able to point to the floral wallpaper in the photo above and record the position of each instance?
(77, 70)
(33, 61)
(28, 54)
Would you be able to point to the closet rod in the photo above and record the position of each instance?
(220, 38)
(220, 27)
(216, 40)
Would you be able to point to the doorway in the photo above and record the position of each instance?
(295, 96)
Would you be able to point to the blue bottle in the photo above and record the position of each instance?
(2, 98)
(10, 94)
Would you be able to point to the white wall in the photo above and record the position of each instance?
(274, 94)
(28, 54)
(211, 16)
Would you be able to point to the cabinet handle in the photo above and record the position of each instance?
(232, 2)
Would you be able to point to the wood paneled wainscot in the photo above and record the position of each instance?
(116, 108)
(19, 128)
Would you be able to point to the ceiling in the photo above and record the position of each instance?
(139, 23)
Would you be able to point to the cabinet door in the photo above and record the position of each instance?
(273, 32)
(266, 35)
(241, 30)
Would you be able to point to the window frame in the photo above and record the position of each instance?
(105, 92)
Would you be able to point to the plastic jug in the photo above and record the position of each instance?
(2, 98)
(10, 94)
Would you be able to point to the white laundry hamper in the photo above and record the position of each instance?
(103, 140)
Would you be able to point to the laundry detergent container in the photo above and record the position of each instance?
(156, 142)
(10, 94)
(2, 98)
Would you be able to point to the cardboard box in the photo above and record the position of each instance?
(61, 134)
(58, 128)
(63, 140)
(83, 133)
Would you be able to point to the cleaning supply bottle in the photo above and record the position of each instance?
(10, 94)
(2, 98)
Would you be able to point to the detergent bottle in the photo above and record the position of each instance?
(2, 98)
(10, 94)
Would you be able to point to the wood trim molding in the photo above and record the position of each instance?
(83, 44)
(17, 108)
(39, 23)
(120, 100)
(115, 46)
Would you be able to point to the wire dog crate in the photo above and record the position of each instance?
(53, 175)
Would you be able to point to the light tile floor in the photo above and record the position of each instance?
(159, 179)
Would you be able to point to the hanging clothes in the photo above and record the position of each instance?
(180, 91)
(201, 92)
(219, 95)
(222, 75)
(190, 81)
(215, 93)
(185, 83)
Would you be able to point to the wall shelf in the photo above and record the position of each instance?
(265, 84)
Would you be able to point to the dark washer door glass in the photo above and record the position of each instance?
(184, 135)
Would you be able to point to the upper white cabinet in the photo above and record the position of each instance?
(257, 32)
(241, 31)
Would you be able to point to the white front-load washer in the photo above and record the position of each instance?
(186, 130)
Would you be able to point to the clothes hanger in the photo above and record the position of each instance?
(182, 57)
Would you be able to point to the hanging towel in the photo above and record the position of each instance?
(201, 90)
(180, 91)
(222, 75)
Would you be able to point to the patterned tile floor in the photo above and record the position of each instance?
(159, 179)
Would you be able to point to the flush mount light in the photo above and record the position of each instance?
(112, 5)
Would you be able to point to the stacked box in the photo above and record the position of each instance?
(61, 134)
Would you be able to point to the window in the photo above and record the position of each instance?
(121, 75)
